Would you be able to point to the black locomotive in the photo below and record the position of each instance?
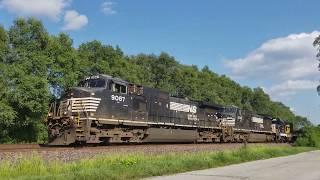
(104, 109)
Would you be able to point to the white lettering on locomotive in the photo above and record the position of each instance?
(92, 77)
(257, 120)
(193, 117)
(183, 107)
(118, 98)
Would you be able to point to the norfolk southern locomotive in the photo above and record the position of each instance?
(104, 109)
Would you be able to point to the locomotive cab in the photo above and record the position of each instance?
(229, 116)
(95, 96)
(283, 130)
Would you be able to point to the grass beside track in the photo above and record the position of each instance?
(135, 166)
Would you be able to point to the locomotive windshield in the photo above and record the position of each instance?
(93, 83)
(230, 110)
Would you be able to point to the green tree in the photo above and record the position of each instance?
(7, 114)
(143, 65)
(24, 71)
(3, 43)
(260, 101)
(98, 58)
(163, 71)
(246, 98)
(64, 69)
(184, 82)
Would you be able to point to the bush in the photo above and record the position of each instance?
(310, 136)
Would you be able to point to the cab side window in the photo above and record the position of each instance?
(118, 88)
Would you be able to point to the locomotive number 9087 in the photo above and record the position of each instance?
(118, 98)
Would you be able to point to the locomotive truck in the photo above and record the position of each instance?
(103, 109)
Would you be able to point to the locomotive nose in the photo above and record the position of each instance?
(78, 100)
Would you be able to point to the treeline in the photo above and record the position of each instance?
(309, 136)
(37, 67)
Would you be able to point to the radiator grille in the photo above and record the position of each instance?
(87, 104)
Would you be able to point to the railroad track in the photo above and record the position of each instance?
(4, 147)
(28, 147)
(40, 147)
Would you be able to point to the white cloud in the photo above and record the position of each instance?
(290, 87)
(74, 21)
(107, 8)
(288, 63)
(52, 9)
(39, 8)
(291, 57)
(292, 109)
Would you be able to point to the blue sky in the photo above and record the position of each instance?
(257, 43)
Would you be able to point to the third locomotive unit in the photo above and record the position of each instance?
(103, 109)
